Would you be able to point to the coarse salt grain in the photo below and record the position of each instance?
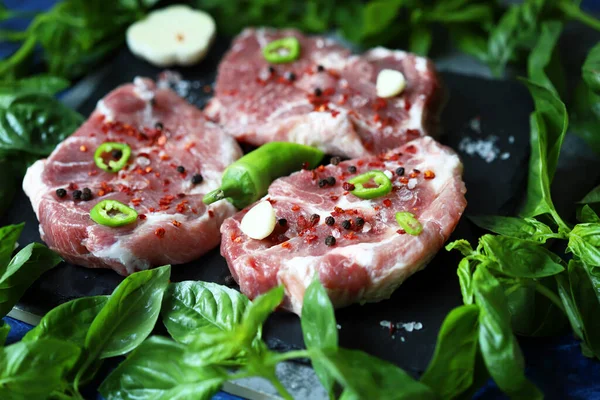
(388, 173)
(412, 183)
(366, 227)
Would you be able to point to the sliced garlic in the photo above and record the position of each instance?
(172, 35)
(390, 83)
(259, 222)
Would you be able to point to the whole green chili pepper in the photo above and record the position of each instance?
(248, 179)
(384, 185)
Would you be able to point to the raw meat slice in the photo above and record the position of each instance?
(371, 257)
(164, 133)
(326, 98)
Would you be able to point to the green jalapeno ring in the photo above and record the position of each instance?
(384, 185)
(409, 223)
(113, 166)
(113, 213)
(273, 51)
(248, 179)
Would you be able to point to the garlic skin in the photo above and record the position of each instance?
(174, 35)
(259, 221)
(390, 83)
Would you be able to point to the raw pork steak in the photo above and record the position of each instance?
(326, 98)
(372, 255)
(165, 134)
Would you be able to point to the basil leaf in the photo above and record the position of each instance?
(34, 369)
(543, 63)
(8, 239)
(69, 321)
(4, 331)
(161, 369)
(461, 245)
(44, 84)
(521, 258)
(584, 242)
(585, 290)
(585, 115)
(129, 315)
(36, 123)
(592, 197)
(498, 345)
(563, 285)
(470, 41)
(586, 214)
(192, 307)
(25, 267)
(450, 371)
(465, 278)
(591, 69)
(526, 228)
(572, 10)
(382, 381)
(378, 15)
(319, 327)
(258, 312)
(548, 127)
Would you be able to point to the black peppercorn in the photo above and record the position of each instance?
(181, 169)
(76, 194)
(61, 192)
(290, 76)
(359, 221)
(159, 126)
(322, 183)
(320, 68)
(330, 220)
(331, 181)
(314, 219)
(400, 171)
(86, 194)
(330, 241)
(271, 69)
(197, 178)
(282, 222)
(335, 160)
(352, 169)
(318, 92)
(346, 224)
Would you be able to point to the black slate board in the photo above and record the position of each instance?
(501, 108)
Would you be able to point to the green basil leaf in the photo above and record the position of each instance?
(319, 327)
(465, 278)
(4, 331)
(219, 346)
(192, 307)
(420, 40)
(585, 115)
(25, 267)
(526, 228)
(584, 242)
(35, 123)
(69, 321)
(521, 258)
(591, 69)
(8, 239)
(480, 13)
(30, 370)
(258, 312)
(572, 10)
(450, 371)
(563, 285)
(382, 381)
(586, 295)
(544, 60)
(461, 245)
(44, 84)
(378, 15)
(470, 41)
(161, 369)
(586, 214)
(548, 127)
(129, 315)
(592, 197)
(498, 345)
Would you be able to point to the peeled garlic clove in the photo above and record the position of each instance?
(390, 83)
(173, 35)
(259, 222)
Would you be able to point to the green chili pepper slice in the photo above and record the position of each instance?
(113, 165)
(409, 223)
(113, 213)
(248, 179)
(384, 185)
(282, 51)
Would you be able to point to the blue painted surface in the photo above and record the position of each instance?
(554, 364)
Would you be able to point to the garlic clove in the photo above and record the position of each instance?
(390, 83)
(259, 221)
